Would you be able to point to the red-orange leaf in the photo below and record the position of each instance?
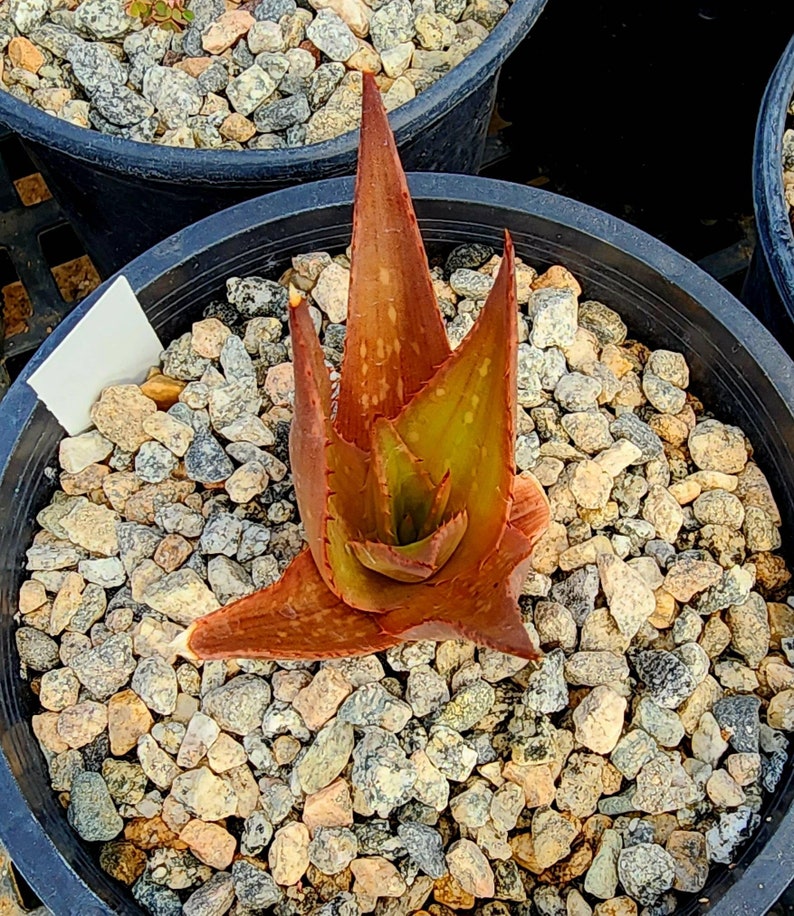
(481, 607)
(296, 617)
(530, 512)
(395, 336)
(309, 433)
(414, 562)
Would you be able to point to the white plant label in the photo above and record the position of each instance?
(112, 344)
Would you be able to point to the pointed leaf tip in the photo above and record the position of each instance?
(395, 333)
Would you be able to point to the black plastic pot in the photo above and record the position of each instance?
(769, 287)
(667, 301)
(122, 197)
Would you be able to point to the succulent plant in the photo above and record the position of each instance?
(170, 15)
(417, 525)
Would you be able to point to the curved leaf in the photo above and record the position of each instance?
(413, 562)
(481, 607)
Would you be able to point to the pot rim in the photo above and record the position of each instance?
(752, 887)
(185, 166)
(775, 232)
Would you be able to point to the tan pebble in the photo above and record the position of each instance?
(558, 277)
(142, 505)
(174, 814)
(688, 577)
(45, 728)
(93, 528)
(355, 13)
(538, 784)
(716, 637)
(523, 848)
(470, 868)
(280, 384)
(586, 553)
(193, 66)
(599, 719)
(128, 719)
(246, 482)
(569, 869)
(319, 701)
(685, 491)
(208, 337)
(59, 688)
(286, 749)
(75, 453)
(744, 768)
(669, 428)
(163, 389)
(172, 552)
(66, 603)
(780, 712)
(723, 790)
(146, 573)
(237, 127)
(778, 676)
(150, 833)
(78, 725)
(552, 544)
(173, 434)
(209, 843)
(119, 487)
(226, 754)
(688, 849)
(664, 613)
(448, 892)
(24, 54)
(330, 807)
(119, 414)
(32, 595)
(288, 855)
(331, 291)
(225, 31)
(287, 684)
(714, 480)
(241, 781)
(86, 481)
(123, 861)
(376, 877)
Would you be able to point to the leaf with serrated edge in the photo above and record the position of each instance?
(309, 432)
(413, 562)
(296, 617)
(395, 335)
(400, 486)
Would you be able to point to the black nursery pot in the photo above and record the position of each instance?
(769, 287)
(736, 366)
(122, 196)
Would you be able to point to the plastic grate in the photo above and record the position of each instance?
(44, 270)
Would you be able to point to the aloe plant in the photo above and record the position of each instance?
(416, 523)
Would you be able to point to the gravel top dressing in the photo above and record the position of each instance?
(261, 74)
(434, 777)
